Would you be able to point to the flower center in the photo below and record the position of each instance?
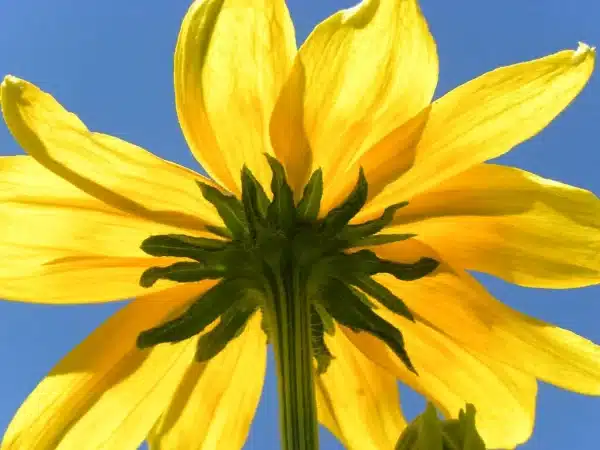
(274, 254)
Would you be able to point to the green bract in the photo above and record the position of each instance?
(277, 252)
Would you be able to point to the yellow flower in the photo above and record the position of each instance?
(357, 94)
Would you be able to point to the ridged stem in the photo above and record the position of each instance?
(290, 333)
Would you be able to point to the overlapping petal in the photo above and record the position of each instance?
(486, 117)
(116, 172)
(357, 400)
(450, 377)
(106, 393)
(452, 301)
(513, 224)
(61, 245)
(232, 58)
(360, 74)
(215, 402)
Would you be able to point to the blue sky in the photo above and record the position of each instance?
(111, 62)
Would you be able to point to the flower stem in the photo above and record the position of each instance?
(290, 332)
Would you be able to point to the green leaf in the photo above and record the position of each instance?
(281, 211)
(362, 230)
(310, 203)
(181, 245)
(338, 217)
(229, 208)
(348, 309)
(320, 351)
(386, 297)
(183, 272)
(380, 239)
(198, 316)
(231, 325)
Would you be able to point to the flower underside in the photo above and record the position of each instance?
(269, 248)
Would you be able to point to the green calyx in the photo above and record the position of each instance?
(264, 245)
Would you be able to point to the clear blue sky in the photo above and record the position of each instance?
(111, 62)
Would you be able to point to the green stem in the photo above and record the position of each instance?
(292, 341)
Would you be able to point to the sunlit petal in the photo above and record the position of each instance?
(216, 401)
(116, 172)
(232, 58)
(361, 73)
(358, 401)
(513, 224)
(488, 116)
(453, 301)
(450, 376)
(106, 393)
(61, 245)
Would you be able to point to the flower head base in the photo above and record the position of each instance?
(270, 247)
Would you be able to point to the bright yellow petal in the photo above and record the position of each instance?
(488, 116)
(454, 302)
(357, 400)
(106, 393)
(450, 377)
(513, 224)
(61, 245)
(215, 402)
(360, 74)
(116, 172)
(232, 58)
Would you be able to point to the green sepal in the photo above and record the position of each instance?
(231, 325)
(363, 297)
(362, 230)
(262, 201)
(251, 192)
(367, 262)
(325, 318)
(378, 291)
(338, 217)
(282, 210)
(219, 231)
(229, 208)
(409, 271)
(181, 245)
(183, 272)
(348, 309)
(380, 239)
(310, 203)
(319, 348)
(205, 310)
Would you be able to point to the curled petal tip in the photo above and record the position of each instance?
(583, 52)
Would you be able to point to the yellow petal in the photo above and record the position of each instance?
(61, 245)
(513, 224)
(360, 74)
(486, 117)
(215, 402)
(231, 60)
(450, 376)
(454, 302)
(357, 400)
(106, 393)
(114, 171)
